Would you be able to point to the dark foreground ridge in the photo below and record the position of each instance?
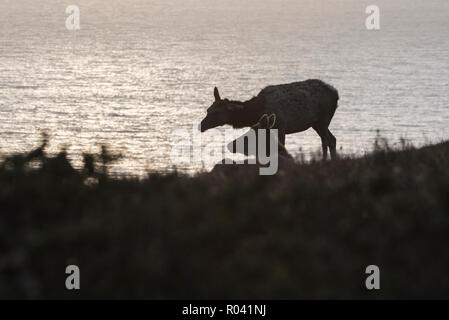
(308, 232)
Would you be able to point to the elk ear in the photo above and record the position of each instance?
(271, 120)
(262, 118)
(216, 94)
(262, 121)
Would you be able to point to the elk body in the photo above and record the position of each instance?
(297, 106)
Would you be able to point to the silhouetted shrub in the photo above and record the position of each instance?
(308, 232)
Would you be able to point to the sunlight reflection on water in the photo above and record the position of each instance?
(138, 70)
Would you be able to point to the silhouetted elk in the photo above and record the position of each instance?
(249, 144)
(252, 137)
(298, 106)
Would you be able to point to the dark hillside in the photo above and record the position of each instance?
(306, 233)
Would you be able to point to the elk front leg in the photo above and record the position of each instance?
(281, 136)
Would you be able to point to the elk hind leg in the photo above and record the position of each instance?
(332, 142)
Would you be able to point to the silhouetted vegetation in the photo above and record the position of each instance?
(308, 232)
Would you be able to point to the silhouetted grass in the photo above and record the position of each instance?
(308, 232)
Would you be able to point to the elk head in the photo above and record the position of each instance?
(221, 112)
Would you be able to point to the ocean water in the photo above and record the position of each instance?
(138, 70)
